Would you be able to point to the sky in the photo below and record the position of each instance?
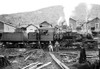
(16, 6)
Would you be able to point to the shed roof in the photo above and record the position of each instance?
(93, 19)
(72, 19)
(31, 25)
(45, 23)
(8, 24)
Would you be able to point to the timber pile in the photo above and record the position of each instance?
(69, 57)
(32, 65)
(70, 61)
(37, 54)
(44, 65)
(30, 59)
(36, 65)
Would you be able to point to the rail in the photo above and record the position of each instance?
(62, 65)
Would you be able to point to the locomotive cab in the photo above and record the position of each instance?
(46, 34)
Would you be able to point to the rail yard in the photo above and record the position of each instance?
(49, 48)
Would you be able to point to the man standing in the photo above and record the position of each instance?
(82, 57)
(50, 47)
(57, 46)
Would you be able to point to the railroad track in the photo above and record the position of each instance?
(53, 64)
(58, 62)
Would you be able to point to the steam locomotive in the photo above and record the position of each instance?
(41, 38)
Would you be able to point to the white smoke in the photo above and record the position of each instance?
(89, 6)
(70, 7)
(68, 13)
(59, 20)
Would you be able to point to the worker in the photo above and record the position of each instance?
(57, 46)
(50, 47)
(82, 57)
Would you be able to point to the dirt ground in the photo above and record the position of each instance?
(17, 57)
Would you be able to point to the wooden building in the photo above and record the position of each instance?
(31, 28)
(94, 23)
(85, 26)
(45, 24)
(4, 27)
(1, 27)
(73, 24)
(9, 28)
(78, 25)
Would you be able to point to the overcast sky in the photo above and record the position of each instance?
(16, 6)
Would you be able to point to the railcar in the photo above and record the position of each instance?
(16, 39)
(46, 36)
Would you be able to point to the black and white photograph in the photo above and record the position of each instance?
(50, 34)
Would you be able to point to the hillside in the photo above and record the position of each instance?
(49, 14)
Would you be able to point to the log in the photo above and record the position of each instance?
(74, 59)
(30, 65)
(62, 65)
(35, 66)
(28, 57)
(44, 65)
